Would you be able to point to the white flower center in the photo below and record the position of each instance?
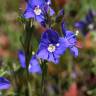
(37, 10)
(91, 26)
(51, 48)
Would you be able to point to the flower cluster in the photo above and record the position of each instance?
(51, 45)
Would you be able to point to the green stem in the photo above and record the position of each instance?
(28, 49)
(44, 79)
(70, 70)
(59, 84)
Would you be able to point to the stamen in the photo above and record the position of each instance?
(77, 32)
(33, 53)
(37, 10)
(51, 48)
(57, 44)
(48, 3)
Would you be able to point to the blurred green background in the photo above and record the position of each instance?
(80, 70)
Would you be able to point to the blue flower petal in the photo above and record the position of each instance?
(28, 12)
(63, 25)
(70, 36)
(52, 58)
(28, 15)
(53, 36)
(4, 83)
(34, 3)
(74, 51)
(40, 18)
(51, 11)
(43, 44)
(43, 54)
(62, 46)
(81, 25)
(21, 57)
(34, 66)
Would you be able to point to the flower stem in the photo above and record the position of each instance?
(28, 47)
(70, 70)
(44, 79)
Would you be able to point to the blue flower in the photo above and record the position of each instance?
(34, 66)
(21, 58)
(89, 17)
(4, 83)
(37, 9)
(88, 24)
(51, 46)
(70, 40)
